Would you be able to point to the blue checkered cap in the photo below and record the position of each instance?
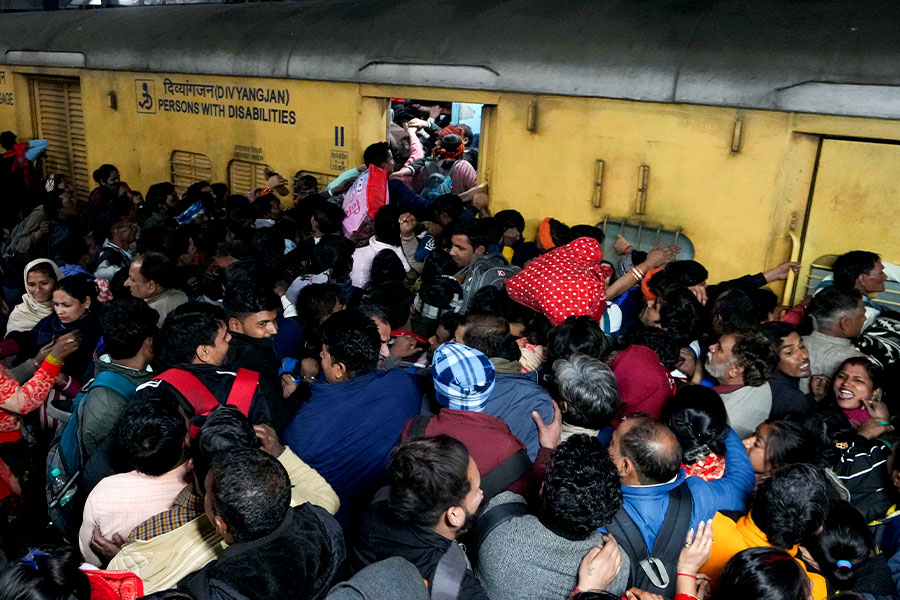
(191, 212)
(463, 377)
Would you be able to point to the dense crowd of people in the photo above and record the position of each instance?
(381, 389)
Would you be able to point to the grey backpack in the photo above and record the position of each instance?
(485, 270)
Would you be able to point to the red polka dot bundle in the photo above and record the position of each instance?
(567, 281)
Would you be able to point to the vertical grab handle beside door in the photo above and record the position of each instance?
(598, 183)
(640, 204)
(791, 282)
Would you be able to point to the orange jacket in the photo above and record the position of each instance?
(731, 537)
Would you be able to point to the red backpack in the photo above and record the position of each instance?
(241, 395)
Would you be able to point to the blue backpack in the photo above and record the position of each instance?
(437, 183)
(65, 459)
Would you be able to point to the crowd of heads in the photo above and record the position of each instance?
(178, 279)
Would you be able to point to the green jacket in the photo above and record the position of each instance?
(102, 406)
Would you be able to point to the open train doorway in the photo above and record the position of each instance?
(430, 121)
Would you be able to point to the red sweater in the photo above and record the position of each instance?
(16, 400)
(489, 442)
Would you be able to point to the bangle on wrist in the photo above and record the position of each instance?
(627, 249)
(53, 360)
(694, 577)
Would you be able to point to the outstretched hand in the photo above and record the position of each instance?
(271, 445)
(696, 549)
(65, 345)
(662, 255)
(877, 409)
(600, 566)
(404, 346)
(819, 385)
(781, 271)
(549, 433)
(105, 549)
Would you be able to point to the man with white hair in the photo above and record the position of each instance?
(839, 316)
(588, 394)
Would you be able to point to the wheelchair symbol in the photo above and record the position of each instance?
(145, 95)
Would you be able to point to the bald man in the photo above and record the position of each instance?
(648, 458)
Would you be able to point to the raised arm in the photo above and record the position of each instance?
(731, 491)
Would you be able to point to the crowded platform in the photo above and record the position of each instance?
(383, 389)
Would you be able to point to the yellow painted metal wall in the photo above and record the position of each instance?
(293, 129)
(722, 200)
(7, 100)
(735, 206)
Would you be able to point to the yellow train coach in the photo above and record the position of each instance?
(750, 131)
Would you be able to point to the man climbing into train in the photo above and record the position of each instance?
(444, 172)
(864, 272)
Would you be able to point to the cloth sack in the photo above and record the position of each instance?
(565, 282)
(368, 193)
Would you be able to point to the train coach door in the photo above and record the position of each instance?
(853, 205)
(59, 118)
(473, 120)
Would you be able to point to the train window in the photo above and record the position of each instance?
(187, 168)
(644, 236)
(244, 176)
(59, 116)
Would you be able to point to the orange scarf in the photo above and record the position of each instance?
(544, 235)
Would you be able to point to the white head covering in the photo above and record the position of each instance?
(27, 314)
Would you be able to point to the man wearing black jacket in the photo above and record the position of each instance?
(435, 489)
(252, 309)
(274, 551)
(195, 339)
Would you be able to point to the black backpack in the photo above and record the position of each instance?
(657, 572)
(114, 257)
(485, 270)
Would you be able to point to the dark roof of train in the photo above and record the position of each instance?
(836, 57)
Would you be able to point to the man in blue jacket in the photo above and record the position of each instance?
(648, 458)
(354, 417)
(516, 395)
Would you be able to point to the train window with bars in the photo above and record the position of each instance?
(59, 117)
(244, 176)
(644, 236)
(187, 168)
